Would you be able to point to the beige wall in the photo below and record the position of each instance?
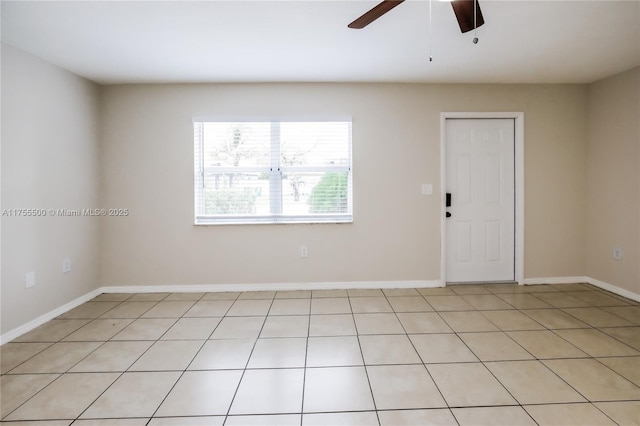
(147, 148)
(49, 160)
(67, 143)
(614, 180)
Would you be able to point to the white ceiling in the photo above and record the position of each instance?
(308, 41)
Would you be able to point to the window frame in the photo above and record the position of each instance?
(276, 172)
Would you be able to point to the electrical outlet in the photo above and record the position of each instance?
(303, 251)
(30, 279)
(66, 265)
(617, 253)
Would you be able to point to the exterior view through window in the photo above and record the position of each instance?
(272, 172)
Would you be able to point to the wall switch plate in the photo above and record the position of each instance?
(66, 265)
(617, 253)
(427, 189)
(303, 251)
(30, 279)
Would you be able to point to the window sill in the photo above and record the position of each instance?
(273, 220)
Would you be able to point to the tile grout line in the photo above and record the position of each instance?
(491, 372)
(126, 370)
(196, 354)
(364, 362)
(61, 340)
(418, 353)
(244, 370)
(186, 368)
(67, 371)
(304, 371)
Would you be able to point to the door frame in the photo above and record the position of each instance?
(518, 118)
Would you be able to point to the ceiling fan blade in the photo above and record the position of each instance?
(374, 13)
(464, 13)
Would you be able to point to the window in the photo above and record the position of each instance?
(272, 172)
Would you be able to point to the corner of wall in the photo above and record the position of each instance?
(50, 165)
(613, 180)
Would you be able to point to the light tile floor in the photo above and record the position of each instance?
(460, 355)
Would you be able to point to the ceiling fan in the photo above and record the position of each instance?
(463, 9)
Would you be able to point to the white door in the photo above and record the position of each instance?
(480, 176)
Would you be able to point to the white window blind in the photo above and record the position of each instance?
(272, 172)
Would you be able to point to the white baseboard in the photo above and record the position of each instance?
(555, 280)
(213, 288)
(572, 280)
(614, 289)
(197, 288)
(25, 328)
